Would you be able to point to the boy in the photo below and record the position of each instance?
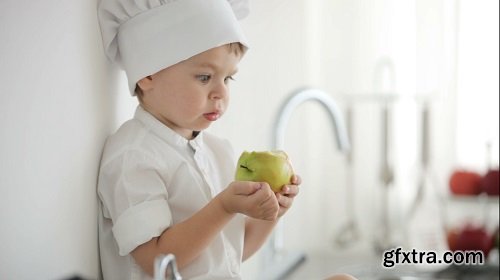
(165, 185)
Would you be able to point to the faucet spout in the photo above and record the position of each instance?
(278, 263)
(327, 102)
(162, 262)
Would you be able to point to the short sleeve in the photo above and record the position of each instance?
(134, 197)
(139, 223)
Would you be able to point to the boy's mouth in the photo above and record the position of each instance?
(213, 116)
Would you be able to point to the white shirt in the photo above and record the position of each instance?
(151, 178)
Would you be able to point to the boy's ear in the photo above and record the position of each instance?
(145, 83)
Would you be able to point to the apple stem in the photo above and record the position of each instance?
(242, 166)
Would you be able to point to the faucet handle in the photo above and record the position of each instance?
(162, 262)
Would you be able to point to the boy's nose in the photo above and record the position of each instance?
(219, 92)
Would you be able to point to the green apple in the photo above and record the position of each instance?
(272, 167)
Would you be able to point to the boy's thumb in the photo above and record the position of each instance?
(248, 188)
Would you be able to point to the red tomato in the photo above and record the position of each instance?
(474, 238)
(452, 238)
(464, 182)
(490, 182)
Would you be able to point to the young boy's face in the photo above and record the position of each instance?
(192, 94)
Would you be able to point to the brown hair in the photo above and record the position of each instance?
(238, 48)
(138, 92)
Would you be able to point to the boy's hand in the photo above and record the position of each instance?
(287, 194)
(254, 199)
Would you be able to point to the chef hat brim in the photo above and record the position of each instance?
(167, 34)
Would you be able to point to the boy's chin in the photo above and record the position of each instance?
(200, 128)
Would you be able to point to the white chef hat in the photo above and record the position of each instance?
(146, 36)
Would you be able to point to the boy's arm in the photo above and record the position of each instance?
(257, 231)
(186, 240)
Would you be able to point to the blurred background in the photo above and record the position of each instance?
(416, 83)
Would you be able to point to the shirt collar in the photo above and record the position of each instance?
(165, 132)
(197, 142)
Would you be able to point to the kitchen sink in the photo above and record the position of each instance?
(366, 267)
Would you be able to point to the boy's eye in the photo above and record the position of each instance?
(203, 78)
(228, 78)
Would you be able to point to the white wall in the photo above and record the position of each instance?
(58, 103)
(477, 85)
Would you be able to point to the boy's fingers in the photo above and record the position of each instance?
(296, 180)
(248, 188)
(290, 190)
(284, 201)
